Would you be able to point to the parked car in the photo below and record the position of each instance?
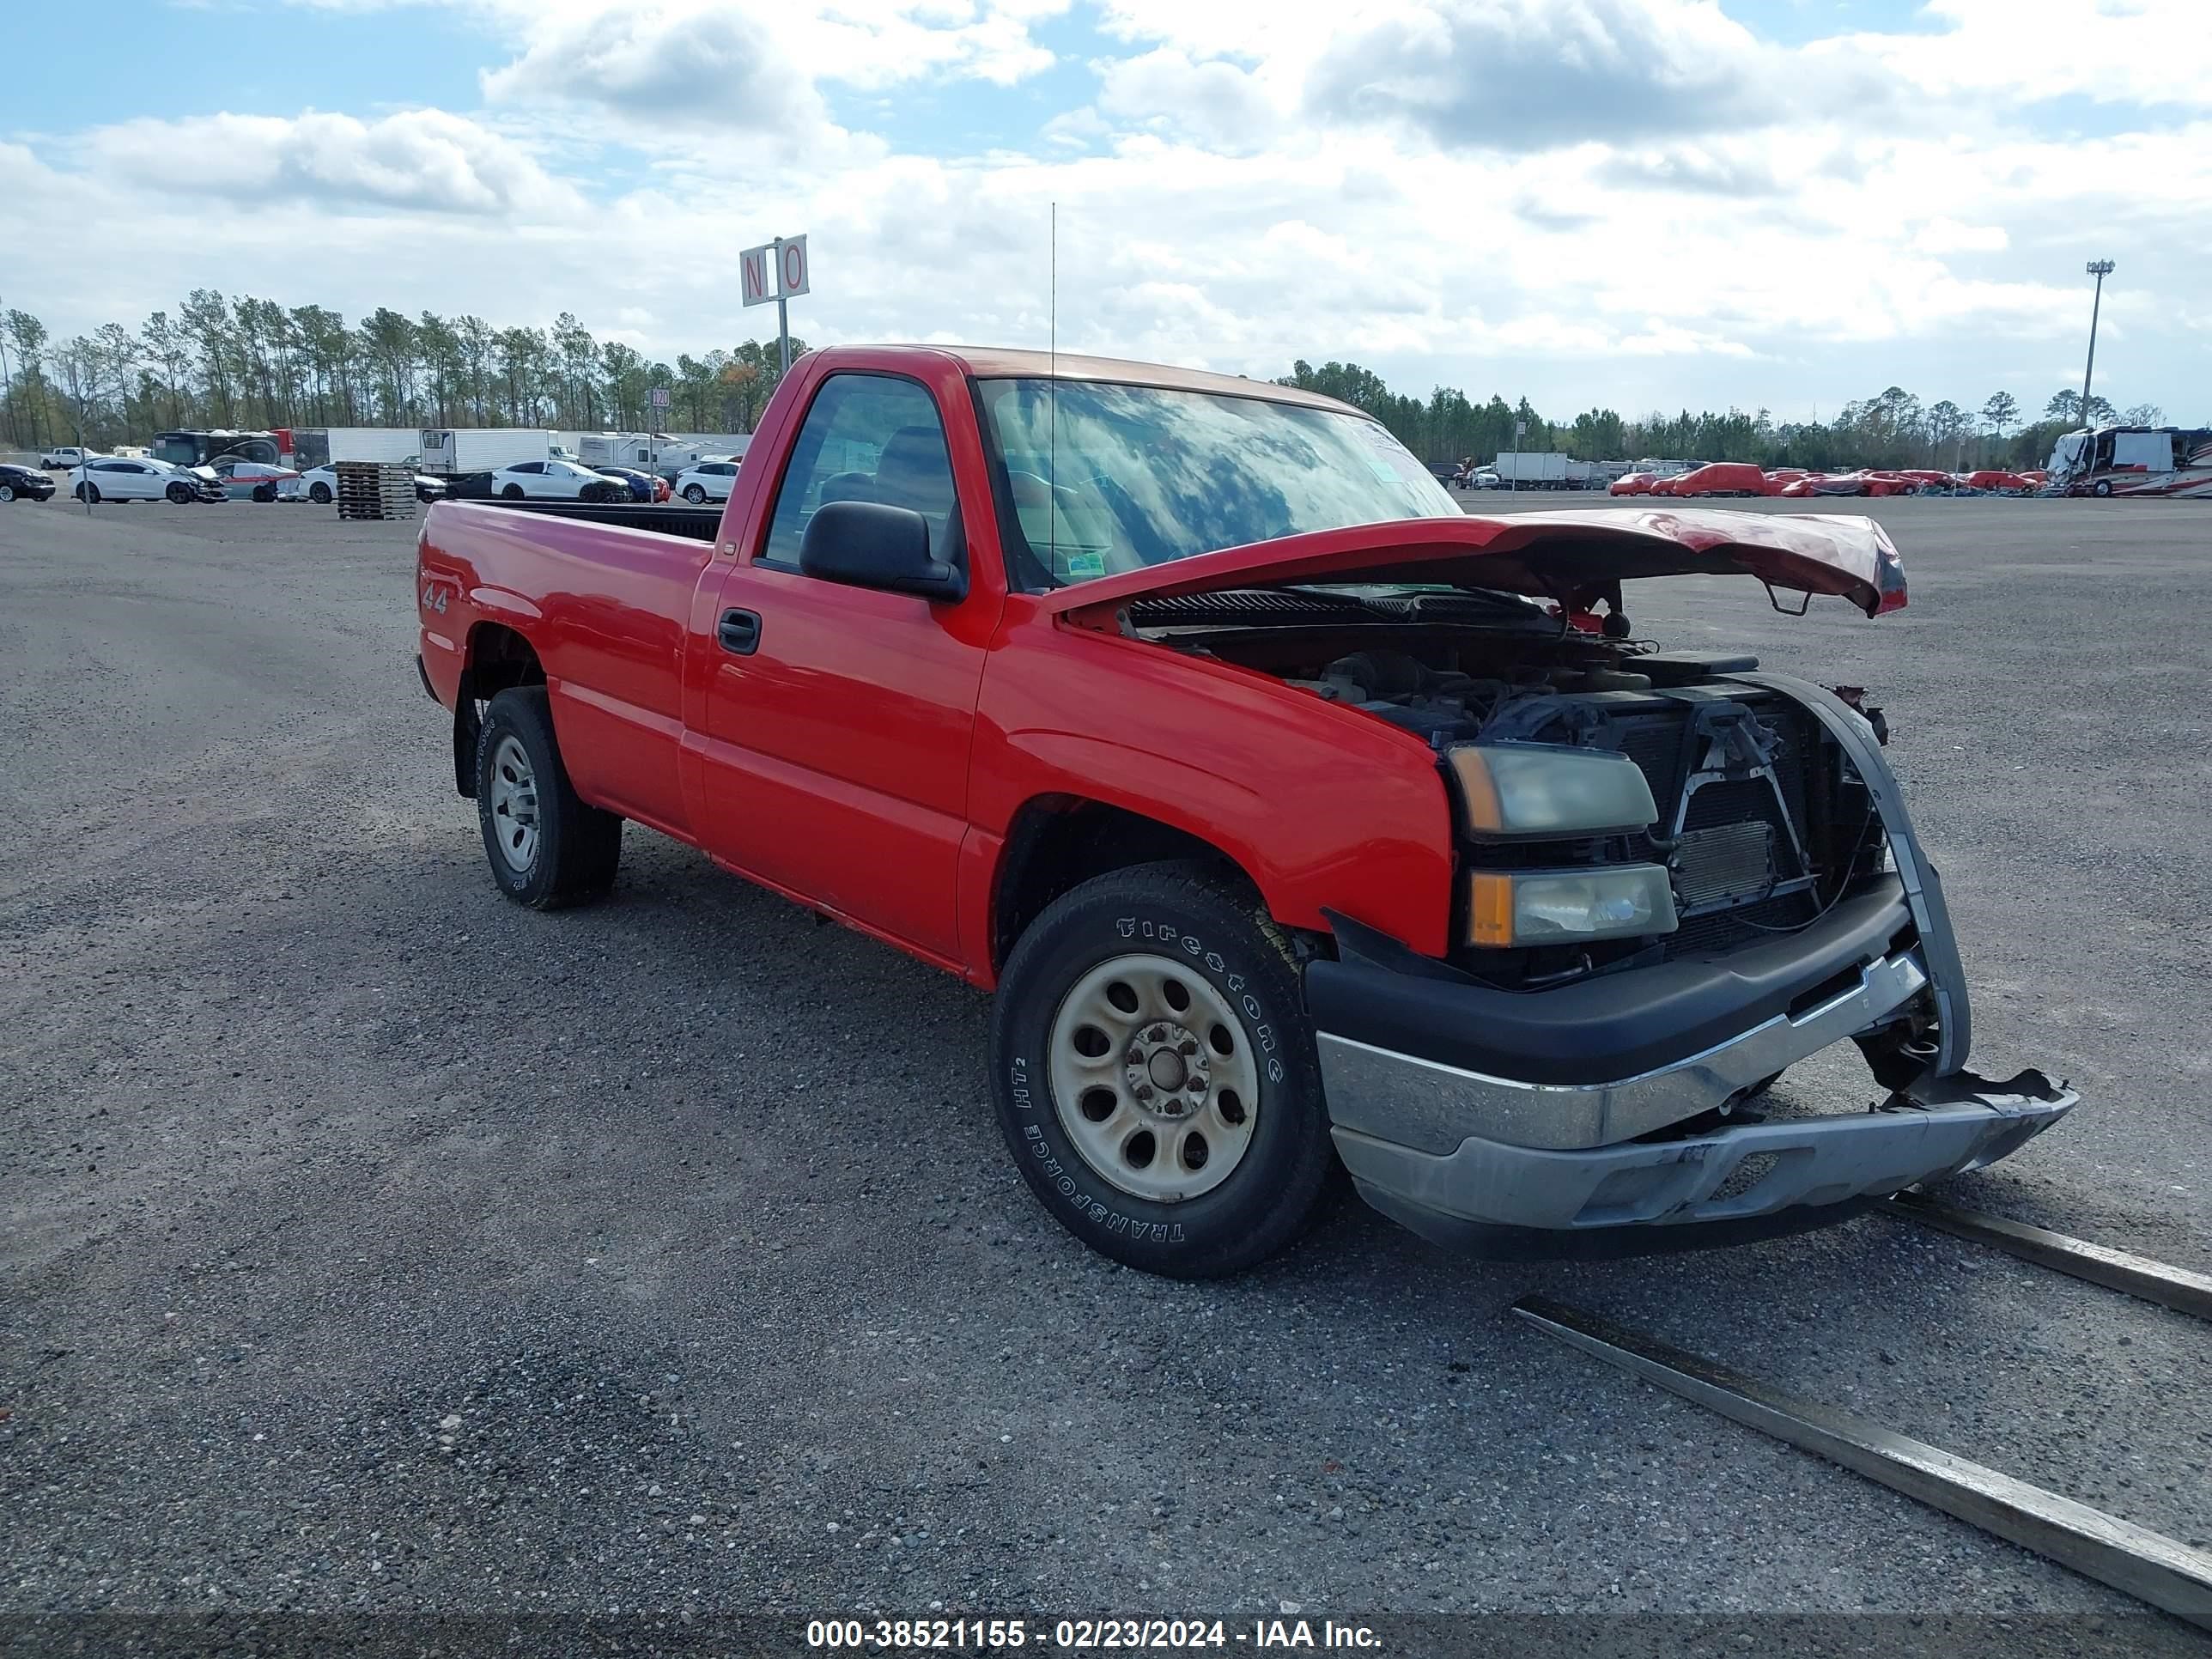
(24, 482)
(255, 480)
(557, 481)
(1266, 789)
(707, 480)
(643, 486)
(1630, 483)
(119, 478)
(1717, 478)
(320, 484)
(65, 456)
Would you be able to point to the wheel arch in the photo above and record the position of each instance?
(496, 657)
(1056, 842)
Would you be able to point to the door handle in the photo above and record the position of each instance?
(740, 632)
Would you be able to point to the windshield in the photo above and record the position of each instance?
(1107, 478)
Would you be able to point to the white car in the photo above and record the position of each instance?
(708, 480)
(257, 480)
(557, 481)
(63, 456)
(320, 484)
(119, 478)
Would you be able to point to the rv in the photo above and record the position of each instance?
(2133, 460)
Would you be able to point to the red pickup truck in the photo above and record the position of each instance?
(1299, 819)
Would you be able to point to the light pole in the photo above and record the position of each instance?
(2099, 269)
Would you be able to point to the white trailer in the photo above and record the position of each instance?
(462, 450)
(618, 448)
(1529, 469)
(324, 446)
(686, 447)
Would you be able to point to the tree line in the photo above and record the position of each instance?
(247, 363)
(1894, 429)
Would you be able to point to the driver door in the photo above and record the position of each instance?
(837, 719)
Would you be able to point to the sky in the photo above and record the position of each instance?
(1630, 203)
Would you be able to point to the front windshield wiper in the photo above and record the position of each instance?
(1398, 601)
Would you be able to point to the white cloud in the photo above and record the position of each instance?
(424, 160)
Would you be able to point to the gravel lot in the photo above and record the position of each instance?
(368, 1243)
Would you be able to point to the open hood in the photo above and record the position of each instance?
(1570, 557)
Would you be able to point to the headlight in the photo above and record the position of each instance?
(1566, 907)
(1547, 789)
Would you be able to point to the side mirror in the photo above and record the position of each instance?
(868, 545)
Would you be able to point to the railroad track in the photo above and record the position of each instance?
(2165, 1572)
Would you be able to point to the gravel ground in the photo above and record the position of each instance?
(367, 1243)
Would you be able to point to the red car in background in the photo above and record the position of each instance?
(1718, 478)
(1632, 483)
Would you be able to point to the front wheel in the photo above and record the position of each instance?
(178, 494)
(264, 492)
(547, 846)
(694, 495)
(87, 492)
(1155, 1075)
(7, 493)
(2104, 487)
(512, 492)
(320, 494)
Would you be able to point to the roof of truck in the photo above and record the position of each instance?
(1001, 362)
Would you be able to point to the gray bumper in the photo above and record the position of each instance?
(1430, 1104)
(1742, 1174)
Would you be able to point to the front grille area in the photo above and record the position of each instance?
(1712, 864)
(1735, 842)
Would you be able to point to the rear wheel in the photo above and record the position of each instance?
(2103, 487)
(547, 846)
(87, 493)
(266, 492)
(320, 494)
(694, 495)
(512, 492)
(7, 492)
(1155, 1075)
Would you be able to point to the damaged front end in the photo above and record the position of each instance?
(1599, 1097)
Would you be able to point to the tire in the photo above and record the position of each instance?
(87, 492)
(512, 493)
(1112, 957)
(7, 493)
(179, 494)
(320, 494)
(2103, 487)
(546, 846)
(264, 492)
(695, 494)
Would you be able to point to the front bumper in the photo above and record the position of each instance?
(1749, 1180)
(1577, 1120)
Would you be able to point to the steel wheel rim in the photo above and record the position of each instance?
(515, 805)
(1153, 1079)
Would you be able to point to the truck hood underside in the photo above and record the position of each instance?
(1568, 556)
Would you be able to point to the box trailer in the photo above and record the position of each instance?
(1529, 469)
(458, 452)
(325, 446)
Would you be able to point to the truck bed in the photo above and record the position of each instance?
(700, 523)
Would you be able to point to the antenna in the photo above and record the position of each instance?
(1052, 395)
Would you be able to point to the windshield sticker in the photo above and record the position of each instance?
(1081, 567)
